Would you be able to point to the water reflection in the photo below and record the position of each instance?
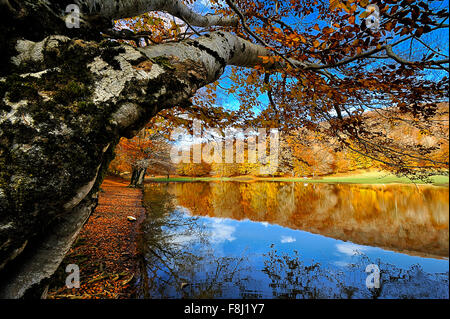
(291, 278)
(286, 240)
(410, 219)
(178, 258)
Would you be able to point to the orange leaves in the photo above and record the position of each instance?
(210, 92)
(347, 6)
(277, 30)
(296, 38)
(268, 60)
(327, 30)
(105, 245)
(351, 19)
(194, 169)
(334, 4)
(265, 59)
(364, 3)
(130, 151)
(302, 38)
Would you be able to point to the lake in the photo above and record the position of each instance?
(294, 240)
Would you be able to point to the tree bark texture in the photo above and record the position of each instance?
(66, 98)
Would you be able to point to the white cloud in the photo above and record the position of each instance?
(207, 3)
(287, 239)
(221, 232)
(341, 263)
(350, 249)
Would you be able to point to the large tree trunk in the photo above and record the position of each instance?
(64, 104)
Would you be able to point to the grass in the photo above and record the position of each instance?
(190, 179)
(370, 177)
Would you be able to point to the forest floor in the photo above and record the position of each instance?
(105, 250)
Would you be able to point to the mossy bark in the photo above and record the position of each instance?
(66, 98)
(62, 111)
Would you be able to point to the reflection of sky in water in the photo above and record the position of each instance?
(228, 238)
(222, 257)
(231, 237)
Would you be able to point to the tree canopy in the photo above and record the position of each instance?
(76, 76)
(325, 66)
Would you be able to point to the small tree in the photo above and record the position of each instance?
(146, 150)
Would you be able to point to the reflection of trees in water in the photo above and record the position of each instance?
(178, 260)
(230, 199)
(178, 248)
(403, 218)
(291, 278)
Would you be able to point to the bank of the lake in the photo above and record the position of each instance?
(105, 251)
(369, 177)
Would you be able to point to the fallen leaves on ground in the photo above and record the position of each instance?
(105, 250)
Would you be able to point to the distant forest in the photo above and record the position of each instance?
(302, 152)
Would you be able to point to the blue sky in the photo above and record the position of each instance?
(230, 237)
(414, 50)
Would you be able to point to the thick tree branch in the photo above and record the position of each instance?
(118, 9)
(250, 32)
(390, 53)
(215, 51)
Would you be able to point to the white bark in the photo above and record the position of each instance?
(44, 261)
(34, 51)
(117, 9)
(210, 54)
(112, 82)
(214, 51)
(137, 83)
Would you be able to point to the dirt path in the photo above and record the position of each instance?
(105, 250)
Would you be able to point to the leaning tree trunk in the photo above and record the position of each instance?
(133, 179)
(66, 98)
(137, 177)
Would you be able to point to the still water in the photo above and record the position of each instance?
(294, 240)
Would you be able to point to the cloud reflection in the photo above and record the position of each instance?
(221, 232)
(350, 249)
(287, 239)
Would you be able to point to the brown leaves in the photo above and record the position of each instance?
(348, 65)
(106, 246)
(145, 66)
(351, 19)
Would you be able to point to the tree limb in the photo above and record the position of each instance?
(118, 9)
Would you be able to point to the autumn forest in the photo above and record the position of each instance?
(181, 150)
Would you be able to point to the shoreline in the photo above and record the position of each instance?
(366, 178)
(106, 248)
